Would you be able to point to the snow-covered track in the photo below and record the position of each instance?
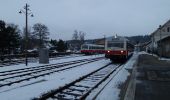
(65, 56)
(16, 76)
(15, 62)
(82, 87)
(32, 60)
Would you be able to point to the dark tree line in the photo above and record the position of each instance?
(60, 45)
(9, 38)
(139, 39)
(13, 40)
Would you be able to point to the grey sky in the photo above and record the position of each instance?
(95, 17)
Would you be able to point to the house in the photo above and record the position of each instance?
(158, 36)
(164, 47)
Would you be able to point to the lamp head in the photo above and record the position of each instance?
(20, 12)
(32, 15)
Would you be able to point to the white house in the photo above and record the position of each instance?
(162, 32)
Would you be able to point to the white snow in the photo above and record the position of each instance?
(35, 87)
(111, 90)
(13, 67)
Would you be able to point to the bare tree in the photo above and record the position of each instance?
(41, 32)
(75, 35)
(81, 37)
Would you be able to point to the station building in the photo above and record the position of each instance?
(160, 40)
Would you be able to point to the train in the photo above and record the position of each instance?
(115, 48)
(118, 49)
(89, 49)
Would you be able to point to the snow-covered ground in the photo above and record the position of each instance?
(110, 87)
(32, 64)
(35, 87)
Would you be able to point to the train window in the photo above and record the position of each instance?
(84, 47)
(120, 45)
(90, 47)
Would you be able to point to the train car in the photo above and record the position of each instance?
(92, 49)
(118, 49)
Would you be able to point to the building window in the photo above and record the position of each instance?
(168, 29)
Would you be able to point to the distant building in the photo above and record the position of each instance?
(159, 39)
(144, 46)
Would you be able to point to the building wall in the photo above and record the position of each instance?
(164, 48)
(159, 34)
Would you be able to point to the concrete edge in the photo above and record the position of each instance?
(130, 91)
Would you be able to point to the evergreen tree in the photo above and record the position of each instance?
(53, 42)
(61, 46)
(9, 37)
(13, 40)
(2, 36)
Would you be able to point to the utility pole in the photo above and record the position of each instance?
(26, 8)
(160, 41)
(104, 42)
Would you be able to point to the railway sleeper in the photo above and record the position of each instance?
(62, 97)
(80, 90)
(89, 82)
(72, 93)
(81, 86)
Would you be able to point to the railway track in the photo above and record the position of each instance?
(81, 88)
(21, 61)
(10, 77)
(15, 62)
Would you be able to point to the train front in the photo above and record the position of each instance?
(116, 50)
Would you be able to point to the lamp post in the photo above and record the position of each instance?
(26, 12)
(160, 41)
(104, 42)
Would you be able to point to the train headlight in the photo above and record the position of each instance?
(108, 51)
(121, 51)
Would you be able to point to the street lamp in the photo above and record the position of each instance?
(26, 12)
(104, 42)
(160, 41)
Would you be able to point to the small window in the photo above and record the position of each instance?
(168, 29)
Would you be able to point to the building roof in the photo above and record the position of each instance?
(160, 27)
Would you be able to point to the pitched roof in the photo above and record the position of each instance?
(160, 27)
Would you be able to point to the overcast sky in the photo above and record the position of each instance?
(94, 17)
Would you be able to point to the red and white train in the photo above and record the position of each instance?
(116, 48)
(92, 49)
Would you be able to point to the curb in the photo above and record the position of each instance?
(130, 91)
